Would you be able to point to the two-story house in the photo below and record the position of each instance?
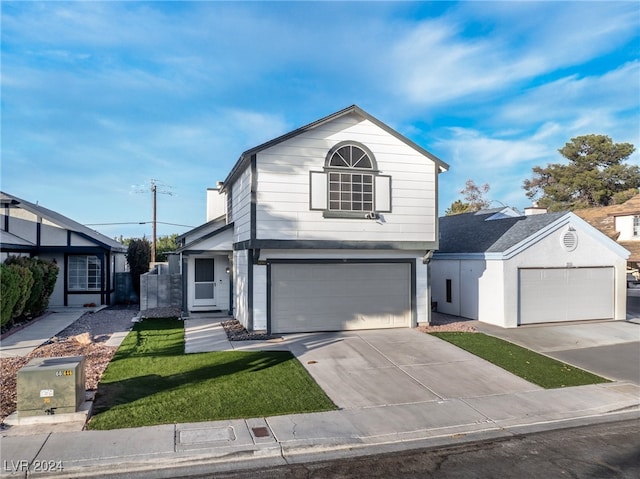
(620, 223)
(329, 227)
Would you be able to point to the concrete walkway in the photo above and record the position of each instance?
(369, 371)
(22, 342)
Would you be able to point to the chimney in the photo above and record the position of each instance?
(216, 202)
(534, 210)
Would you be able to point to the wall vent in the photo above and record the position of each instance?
(570, 240)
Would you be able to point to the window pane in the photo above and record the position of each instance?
(334, 205)
(367, 178)
(204, 270)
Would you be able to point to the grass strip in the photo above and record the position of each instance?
(535, 368)
(151, 381)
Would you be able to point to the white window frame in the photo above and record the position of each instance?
(334, 191)
(84, 273)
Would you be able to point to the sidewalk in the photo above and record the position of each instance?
(213, 447)
(22, 342)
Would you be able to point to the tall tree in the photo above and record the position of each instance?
(594, 176)
(474, 199)
(138, 257)
(164, 245)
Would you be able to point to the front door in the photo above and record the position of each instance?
(204, 286)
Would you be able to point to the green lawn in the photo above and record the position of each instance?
(536, 368)
(151, 381)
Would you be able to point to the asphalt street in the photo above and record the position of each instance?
(609, 450)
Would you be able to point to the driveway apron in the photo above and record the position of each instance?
(608, 348)
(397, 366)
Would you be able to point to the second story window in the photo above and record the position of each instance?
(636, 226)
(351, 174)
(350, 185)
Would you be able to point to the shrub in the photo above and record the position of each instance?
(138, 257)
(25, 284)
(9, 282)
(44, 275)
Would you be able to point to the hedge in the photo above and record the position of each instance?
(27, 284)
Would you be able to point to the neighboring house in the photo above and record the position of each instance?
(87, 259)
(328, 227)
(502, 268)
(620, 223)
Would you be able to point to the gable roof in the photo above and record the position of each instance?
(489, 231)
(603, 218)
(245, 158)
(58, 219)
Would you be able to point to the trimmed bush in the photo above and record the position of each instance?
(10, 284)
(44, 275)
(25, 284)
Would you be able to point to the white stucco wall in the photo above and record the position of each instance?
(550, 253)
(486, 288)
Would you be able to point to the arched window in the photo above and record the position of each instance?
(351, 170)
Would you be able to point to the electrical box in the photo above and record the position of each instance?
(51, 386)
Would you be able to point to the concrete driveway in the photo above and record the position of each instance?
(397, 366)
(608, 348)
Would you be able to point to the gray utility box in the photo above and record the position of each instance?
(51, 386)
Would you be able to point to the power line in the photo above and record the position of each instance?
(137, 223)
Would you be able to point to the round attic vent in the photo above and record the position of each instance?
(570, 240)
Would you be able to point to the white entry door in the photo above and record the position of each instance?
(204, 284)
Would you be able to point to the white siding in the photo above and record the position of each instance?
(283, 185)
(241, 286)
(241, 206)
(624, 226)
(259, 297)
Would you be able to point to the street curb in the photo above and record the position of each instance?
(211, 461)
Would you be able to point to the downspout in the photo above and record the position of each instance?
(426, 259)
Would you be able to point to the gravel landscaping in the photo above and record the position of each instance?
(85, 337)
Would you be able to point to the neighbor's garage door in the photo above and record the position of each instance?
(342, 296)
(565, 294)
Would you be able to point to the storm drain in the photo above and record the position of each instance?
(260, 432)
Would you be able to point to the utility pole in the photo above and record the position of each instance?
(154, 193)
(154, 189)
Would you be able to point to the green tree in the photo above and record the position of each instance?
(138, 257)
(474, 199)
(164, 245)
(594, 176)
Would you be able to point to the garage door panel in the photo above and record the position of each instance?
(331, 297)
(565, 294)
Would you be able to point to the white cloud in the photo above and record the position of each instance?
(440, 61)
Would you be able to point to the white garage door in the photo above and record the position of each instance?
(565, 294)
(344, 296)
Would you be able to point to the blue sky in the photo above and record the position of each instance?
(98, 98)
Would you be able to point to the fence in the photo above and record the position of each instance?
(160, 291)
